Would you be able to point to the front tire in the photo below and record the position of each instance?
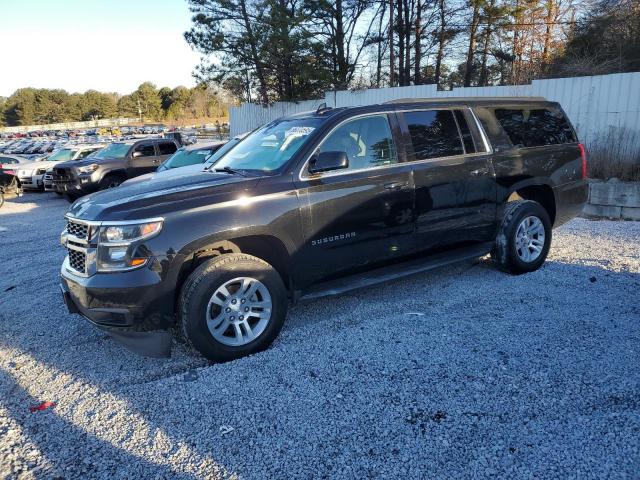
(232, 306)
(110, 181)
(524, 238)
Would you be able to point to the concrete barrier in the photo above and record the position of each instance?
(614, 199)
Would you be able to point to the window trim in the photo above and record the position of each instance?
(303, 172)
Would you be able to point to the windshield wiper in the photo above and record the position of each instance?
(230, 170)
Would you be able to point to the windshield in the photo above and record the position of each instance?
(270, 147)
(184, 157)
(115, 150)
(61, 155)
(223, 150)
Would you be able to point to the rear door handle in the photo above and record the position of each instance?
(479, 172)
(396, 185)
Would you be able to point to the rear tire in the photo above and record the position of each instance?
(524, 238)
(224, 323)
(1, 199)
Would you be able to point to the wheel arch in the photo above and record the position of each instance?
(265, 246)
(537, 190)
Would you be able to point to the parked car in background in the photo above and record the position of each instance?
(12, 161)
(31, 175)
(190, 155)
(209, 160)
(111, 166)
(9, 186)
(47, 180)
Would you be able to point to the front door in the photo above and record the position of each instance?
(362, 214)
(454, 184)
(142, 159)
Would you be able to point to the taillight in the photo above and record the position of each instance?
(583, 157)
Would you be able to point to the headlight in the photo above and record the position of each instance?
(88, 168)
(41, 171)
(117, 245)
(24, 173)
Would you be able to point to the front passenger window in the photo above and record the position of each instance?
(146, 150)
(367, 141)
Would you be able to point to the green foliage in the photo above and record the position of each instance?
(29, 106)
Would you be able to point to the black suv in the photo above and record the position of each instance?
(319, 203)
(111, 166)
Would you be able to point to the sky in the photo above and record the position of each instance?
(105, 45)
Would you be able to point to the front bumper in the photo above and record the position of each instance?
(34, 182)
(75, 185)
(134, 307)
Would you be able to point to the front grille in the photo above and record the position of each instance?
(61, 171)
(48, 176)
(78, 230)
(77, 260)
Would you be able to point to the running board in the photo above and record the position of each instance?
(394, 271)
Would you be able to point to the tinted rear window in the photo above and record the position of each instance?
(467, 138)
(167, 148)
(535, 127)
(434, 134)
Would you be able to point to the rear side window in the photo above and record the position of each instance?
(535, 127)
(167, 148)
(146, 150)
(434, 134)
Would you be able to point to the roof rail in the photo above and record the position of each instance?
(466, 99)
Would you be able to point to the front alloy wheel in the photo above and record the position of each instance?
(231, 306)
(239, 311)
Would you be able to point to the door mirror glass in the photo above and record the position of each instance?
(327, 161)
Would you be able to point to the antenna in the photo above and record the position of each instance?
(322, 108)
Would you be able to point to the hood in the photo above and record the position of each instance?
(35, 165)
(172, 172)
(160, 196)
(80, 163)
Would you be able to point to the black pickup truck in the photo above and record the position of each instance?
(316, 204)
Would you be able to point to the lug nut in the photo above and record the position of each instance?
(234, 301)
(228, 309)
(241, 317)
(243, 300)
(232, 317)
(246, 309)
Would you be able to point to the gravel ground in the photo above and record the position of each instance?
(458, 373)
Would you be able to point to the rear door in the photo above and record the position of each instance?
(362, 214)
(455, 188)
(166, 148)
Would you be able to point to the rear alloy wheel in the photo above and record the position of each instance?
(524, 238)
(232, 306)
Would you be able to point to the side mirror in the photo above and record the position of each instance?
(136, 154)
(327, 161)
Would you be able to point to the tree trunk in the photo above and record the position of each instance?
(484, 74)
(550, 6)
(379, 55)
(391, 52)
(343, 67)
(264, 96)
(515, 66)
(441, 39)
(401, 70)
(417, 78)
(475, 20)
(407, 44)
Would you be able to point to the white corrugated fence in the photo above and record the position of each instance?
(596, 105)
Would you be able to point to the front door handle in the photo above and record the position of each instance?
(396, 185)
(479, 172)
